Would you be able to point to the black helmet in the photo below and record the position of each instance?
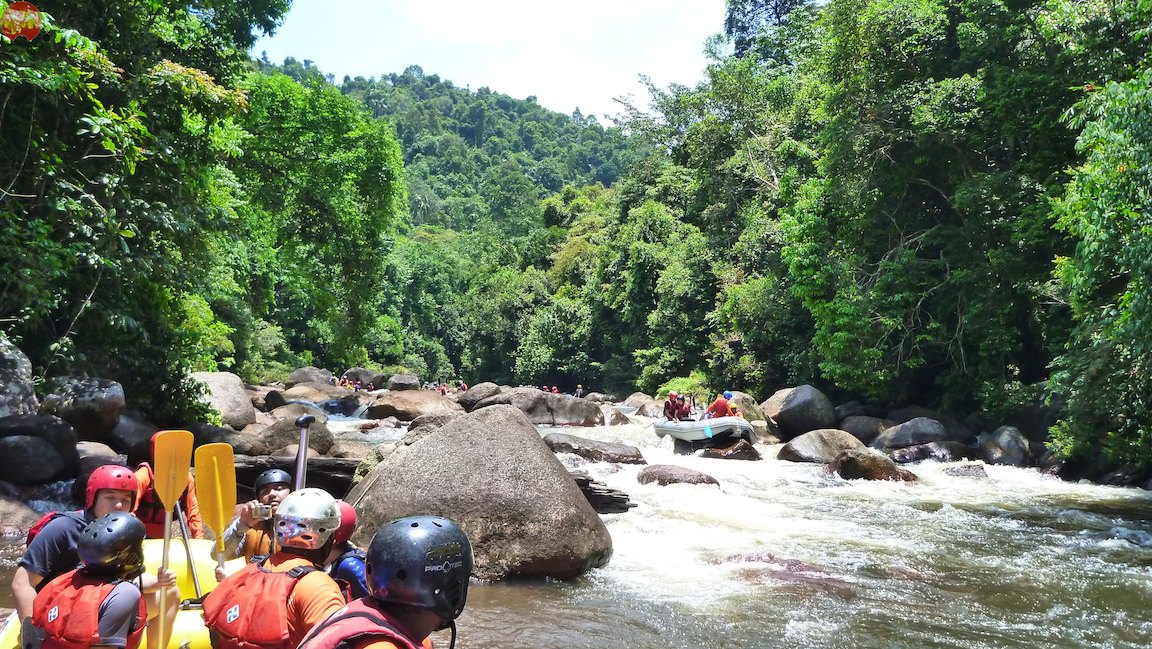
(422, 561)
(272, 476)
(112, 546)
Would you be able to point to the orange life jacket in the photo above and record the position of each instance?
(149, 509)
(249, 610)
(68, 609)
(361, 620)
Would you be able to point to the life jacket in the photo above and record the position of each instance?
(68, 609)
(360, 621)
(671, 409)
(149, 508)
(77, 516)
(250, 609)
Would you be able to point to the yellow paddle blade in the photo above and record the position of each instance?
(171, 458)
(216, 485)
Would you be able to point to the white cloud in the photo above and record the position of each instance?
(566, 54)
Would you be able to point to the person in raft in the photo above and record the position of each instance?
(673, 407)
(251, 534)
(723, 407)
(346, 560)
(52, 550)
(418, 572)
(274, 601)
(99, 603)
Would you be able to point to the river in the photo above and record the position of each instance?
(782, 555)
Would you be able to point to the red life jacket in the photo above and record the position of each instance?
(149, 508)
(360, 621)
(68, 609)
(250, 609)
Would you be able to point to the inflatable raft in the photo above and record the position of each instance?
(719, 431)
(188, 630)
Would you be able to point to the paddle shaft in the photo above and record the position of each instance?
(188, 549)
(303, 421)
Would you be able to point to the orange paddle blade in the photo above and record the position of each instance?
(216, 485)
(171, 459)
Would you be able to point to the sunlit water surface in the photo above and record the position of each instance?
(783, 555)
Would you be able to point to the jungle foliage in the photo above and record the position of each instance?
(902, 201)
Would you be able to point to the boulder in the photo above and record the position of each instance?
(645, 405)
(56, 432)
(16, 518)
(292, 450)
(92, 406)
(819, 446)
(747, 404)
(599, 397)
(312, 392)
(17, 391)
(741, 450)
(973, 470)
(30, 460)
(798, 410)
(398, 382)
(309, 374)
(428, 424)
(1005, 445)
(228, 396)
(865, 428)
(285, 432)
(477, 393)
(242, 443)
(864, 463)
(547, 408)
(490, 471)
(666, 474)
(594, 450)
(920, 430)
(132, 436)
(294, 410)
(955, 430)
(347, 448)
(612, 416)
(407, 405)
(94, 454)
(258, 395)
(936, 451)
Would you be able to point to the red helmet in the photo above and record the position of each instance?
(347, 523)
(111, 476)
(672, 394)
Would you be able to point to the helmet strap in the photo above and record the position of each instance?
(452, 642)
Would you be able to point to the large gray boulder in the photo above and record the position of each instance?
(132, 436)
(58, 434)
(798, 410)
(818, 446)
(490, 471)
(228, 396)
(645, 405)
(612, 416)
(30, 460)
(398, 382)
(309, 374)
(547, 408)
(92, 406)
(1005, 445)
(748, 406)
(17, 393)
(407, 405)
(666, 474)
(865, 428)
(913, 432)
(477, 393)
(594, 450)
(285, 432)
(866, 464)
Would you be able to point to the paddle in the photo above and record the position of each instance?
(172, 455)
(188, 549)
(303, 421)
(216, 490)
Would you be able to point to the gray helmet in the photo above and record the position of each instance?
(306, 519)
(422, 561)
(112, 546)
(272, 476)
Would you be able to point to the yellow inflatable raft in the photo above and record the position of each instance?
(188, 630)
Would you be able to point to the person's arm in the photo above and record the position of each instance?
(233, 537)
(118, 614)
(24, 584)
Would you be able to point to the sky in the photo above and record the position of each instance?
(569, 55)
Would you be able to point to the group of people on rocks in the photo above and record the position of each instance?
(82, 582)
(677, 408)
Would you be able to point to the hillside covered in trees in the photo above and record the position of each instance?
(941, 203)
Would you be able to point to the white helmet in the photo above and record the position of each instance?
(306, 519)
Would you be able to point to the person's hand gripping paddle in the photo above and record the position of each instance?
(216, 490)
(172, 453)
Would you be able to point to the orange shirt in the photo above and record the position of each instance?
(384, 644)
(256, 541)
(315, 597)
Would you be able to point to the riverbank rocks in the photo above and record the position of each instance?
(865, 428)
(666, 474)
(799, 410)
(17, 392)
(491, 472)
(547, 408)
(1005, 445)
(58, 439)
(936, 451)
(399, 382)
(309, 374)
(477, 393)
(407, 405)
(286, 432)
(594, 450)
(228, 396)
(92, 406)
(612, 416)
(913, 432)
(15, 518)
(645, 405)
(818, 446)
(747, 404)
(741, 450)
(863, 463)
(132, 436)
